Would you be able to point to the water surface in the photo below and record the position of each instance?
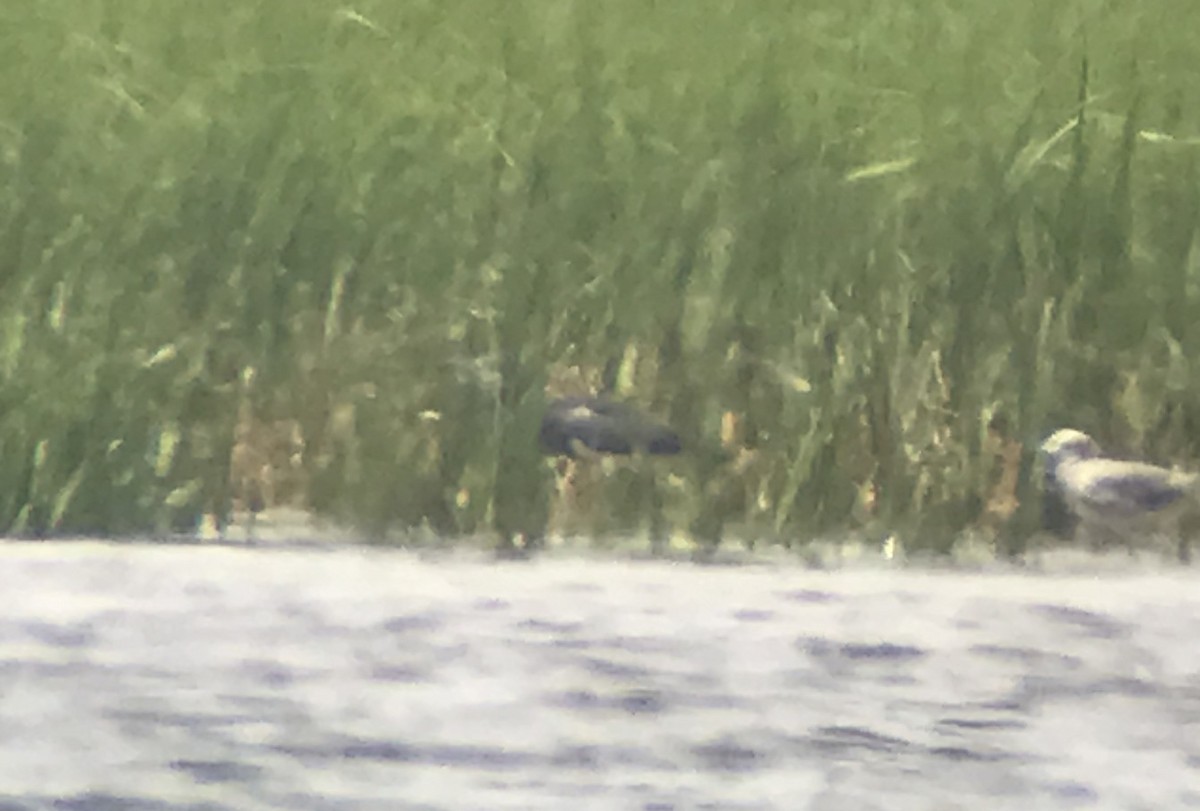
(140, 676)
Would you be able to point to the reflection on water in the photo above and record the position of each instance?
(200, 677)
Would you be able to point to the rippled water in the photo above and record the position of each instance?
(208, 677)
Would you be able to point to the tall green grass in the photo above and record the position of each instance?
(350, 246)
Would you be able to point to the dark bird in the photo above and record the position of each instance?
(574, 424)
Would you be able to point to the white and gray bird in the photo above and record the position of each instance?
(1115, 500)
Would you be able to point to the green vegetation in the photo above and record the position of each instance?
(296, 252)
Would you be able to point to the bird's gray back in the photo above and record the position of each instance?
(1111, 488)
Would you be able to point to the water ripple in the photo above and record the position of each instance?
(196, 678)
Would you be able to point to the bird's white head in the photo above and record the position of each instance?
(1070, 444)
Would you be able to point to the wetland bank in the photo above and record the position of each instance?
(335, 258)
